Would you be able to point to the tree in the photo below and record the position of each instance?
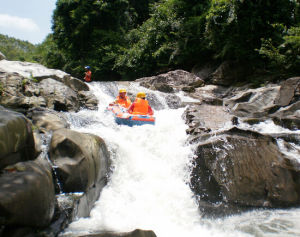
(235, 27)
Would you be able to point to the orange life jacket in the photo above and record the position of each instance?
(123, 102)
(88, 76)
(140, 106)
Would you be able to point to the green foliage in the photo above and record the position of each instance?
(152, 45)
(126, 39)
(286, 56)
(91, 33)
(169, 39)
(17, 50)
(235, 28)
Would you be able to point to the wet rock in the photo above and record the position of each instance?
(50, 88)
(288, 90)
(163, 87)
(175, 79)
(30, 70)
(74, 83)
(135, 233)
(188, 89)
(245, 168)
(82, 160)
(210, 94)
(58, 96)
(88, 100)
(27, 194)
(291, 122)
(291, 110)
(17, 142)
(204, 118)
(254, 102)
(47, 120)
(173, 101)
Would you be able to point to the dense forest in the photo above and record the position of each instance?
(127, 39)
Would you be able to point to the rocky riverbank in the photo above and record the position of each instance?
(50, 174)
(236, 168)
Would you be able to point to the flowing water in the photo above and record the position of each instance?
(149, 184)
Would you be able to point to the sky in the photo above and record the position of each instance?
(28, 20)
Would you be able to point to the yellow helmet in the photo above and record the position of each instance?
(122, 91)
(141, 95)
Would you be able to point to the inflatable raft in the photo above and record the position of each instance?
(124, 118)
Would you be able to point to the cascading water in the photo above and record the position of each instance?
(149, 185)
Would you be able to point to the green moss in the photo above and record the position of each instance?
(33, 78)
(1, 89)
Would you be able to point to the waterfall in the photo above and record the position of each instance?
(149, 184)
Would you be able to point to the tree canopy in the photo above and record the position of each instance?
(126, 39)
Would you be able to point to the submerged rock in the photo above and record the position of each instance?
(135, 233)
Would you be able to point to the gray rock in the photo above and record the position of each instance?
(254, 102)
(31, 70)
(59, 96)
(175, 79)
(288, 90)
(82, 160)
(27, 194)
(17, 142)
(75, 84)
(88, 100)
(47, 120)
(245, 168)
(135, 233)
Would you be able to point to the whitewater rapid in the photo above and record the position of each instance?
(149, 184)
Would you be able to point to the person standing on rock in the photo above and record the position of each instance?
(88, 74)
(140, 105)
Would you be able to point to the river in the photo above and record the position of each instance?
(149, 184)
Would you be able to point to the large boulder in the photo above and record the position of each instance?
(177, 79)
(245, 168)
(87, 100)
(254, 102)
(74, 83)
(17, 142)
(202, 118)
(27, 85)
(59, 96)
(27, 195)
(47, 120)
(289, 91)
(82, 160)
(31, 70)
(135, 233)
(210, 94)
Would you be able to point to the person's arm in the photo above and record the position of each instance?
(150, 111)
(130, 109)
